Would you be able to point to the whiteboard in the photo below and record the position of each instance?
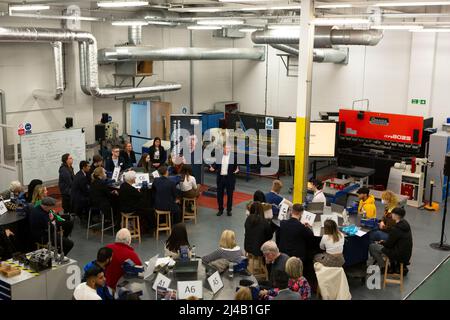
(322, 139)
(41, 153)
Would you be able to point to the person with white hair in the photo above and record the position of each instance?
(15, 192)
(275, 260)
(122, 251)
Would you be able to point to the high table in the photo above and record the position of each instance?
(226, 293)
(359, 172)
(16, 221)
(11, 217)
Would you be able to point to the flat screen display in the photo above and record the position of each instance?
(322, 139)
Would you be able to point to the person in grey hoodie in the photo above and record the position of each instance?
(66, 176)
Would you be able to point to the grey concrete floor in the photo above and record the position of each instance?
(205, 235)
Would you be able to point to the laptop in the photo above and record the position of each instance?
(335, 208)
(150, 268)
(185, 270)
(315, 207)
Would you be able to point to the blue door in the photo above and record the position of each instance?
(140, 124)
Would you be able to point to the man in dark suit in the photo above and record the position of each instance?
(80, 189)
(116, 160)
(226, 169)
(164, 193)
(294, 236)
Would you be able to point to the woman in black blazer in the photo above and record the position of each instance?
(158, 155)
(129, 156)
(99, 193)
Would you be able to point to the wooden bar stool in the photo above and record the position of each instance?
(102, 223)
(256, 266)
(132, 223)
(190, 215)
(163, 226)
(395, 278)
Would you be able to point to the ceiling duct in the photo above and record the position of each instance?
(319, 55)
(324, 37)
(88, 59)
(135, 35)
(122, 54)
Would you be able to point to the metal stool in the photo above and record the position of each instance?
(102, 223)
(135, 228)
(256, 266)
(163, 226)
(190, 215)
(396, 278)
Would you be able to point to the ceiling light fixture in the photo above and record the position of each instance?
(336, 22)
(28, 7)
(230, 22)
(121, 4)
(397, 27)
(129, 23)
(412, 3)
(204, 27)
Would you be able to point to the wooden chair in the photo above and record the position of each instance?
(190, 215)
(132, 223)
(102, 223)
(395, 278)
(163, 226)
(256, 267)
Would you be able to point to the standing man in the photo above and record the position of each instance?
(80, 190)
(226, 179)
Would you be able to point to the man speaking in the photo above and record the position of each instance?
(226, 171)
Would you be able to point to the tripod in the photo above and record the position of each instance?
(441, 245)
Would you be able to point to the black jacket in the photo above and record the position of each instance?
(255, 235)
(65, 180)
(39, 220)
(398, 246)
(80, 190)
(109, 164)
(130, 198)
(100, 195)
(129, 161)
(294, 238)
(164, 193)
(162, 155)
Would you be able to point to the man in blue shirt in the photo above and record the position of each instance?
(273, 197)
(104, 257)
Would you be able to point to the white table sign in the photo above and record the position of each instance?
(3, 208)
(141, 177)
(116, 173)
(283, 214)
(308, 217)
(188, 289)
(215, 282)
(161, 281)
(155, 174)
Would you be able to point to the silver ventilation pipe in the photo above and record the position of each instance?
(59, 73)
(319, 55)
(82, 49)
(135, 35)
(324, 37)
(122, 54)
(31, 34)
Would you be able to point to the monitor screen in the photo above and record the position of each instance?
(322, 139)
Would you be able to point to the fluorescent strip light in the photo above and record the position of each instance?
(121, 4)
(231, 22)
(335, 22)
(412, 4)
(204, 27)
(334, 6)
(397, 27)
(248, 30)
(431, 30)
(28, 7)
(129, 23)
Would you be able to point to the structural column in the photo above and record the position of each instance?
(305, 60)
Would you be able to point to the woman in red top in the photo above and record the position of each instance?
(122, 251)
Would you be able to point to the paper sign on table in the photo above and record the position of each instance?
(116, 173)
(161, 281)
(188, 289)
(155, 174)
(141, 177)
(308, 217)
(360, 233)
(326, 217)
(3, 208)
(284, 212)
(215, 282)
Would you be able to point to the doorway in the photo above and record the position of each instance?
(140, 124)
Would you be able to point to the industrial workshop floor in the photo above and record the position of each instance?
(205, 236)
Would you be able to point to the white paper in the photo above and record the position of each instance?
(360, 233)
(165, 261)
(326, 217)
(188, 289)
(155, 174)
(141, 177)
(284, 212)
(215, 282)
(161, 281)
(308, 217)
(195, 121)
(116, 173)
(3, 208)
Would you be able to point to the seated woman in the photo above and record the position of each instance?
(15, 193)
(39, 193)
(261, 198)
(390, 201)
(333, 244)
(188, 184)
(129, 156)
(158, 155)
(29, 194)
(144, 162)
(257, 230)
(99, 193)
(228, 249)
(177, 238)
(297, 282)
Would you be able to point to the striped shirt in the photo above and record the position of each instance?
(233, 255)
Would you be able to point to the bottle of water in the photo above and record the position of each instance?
(231, 269)
(193, 255)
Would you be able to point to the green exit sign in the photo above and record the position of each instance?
(418, 101)
(423, 101)
(415, 101)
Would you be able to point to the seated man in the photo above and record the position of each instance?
(398, 246)
(95, 279)
(274, 259)
(104, 258)
(366, 204)
(273, 197)
(40, 218)
(165, 195)
(317, 187)
(122, 251)
(114, 161)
